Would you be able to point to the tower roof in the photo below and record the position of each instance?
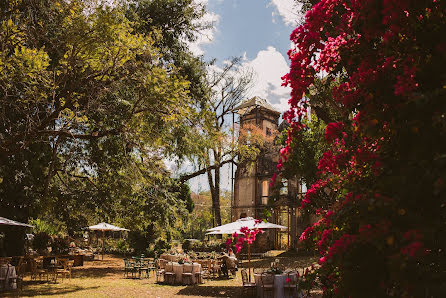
(248, 105)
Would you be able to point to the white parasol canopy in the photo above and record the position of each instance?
(103, 226)
(10, 222)
(249, 222)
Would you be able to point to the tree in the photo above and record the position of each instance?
(215, 145)
(384, 165)
(307, 147)
(88, 104)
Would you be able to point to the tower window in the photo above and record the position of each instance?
(265, 190)
(268, 131)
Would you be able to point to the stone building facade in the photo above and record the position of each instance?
(252, 194)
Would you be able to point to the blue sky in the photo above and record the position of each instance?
(246, 26)
(259, 31)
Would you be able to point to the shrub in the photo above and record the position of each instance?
(59, 245)
(41, 241)
(187, 244)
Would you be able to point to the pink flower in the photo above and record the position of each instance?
(414, 249)
(305, 234)
(321, 260)
(332, 131)
(228, 242)
(287, 280)
(238, 247)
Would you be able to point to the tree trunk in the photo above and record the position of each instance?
(216, 196)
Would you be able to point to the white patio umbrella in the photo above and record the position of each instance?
(248, 222)
(10, 222)
(105, 227)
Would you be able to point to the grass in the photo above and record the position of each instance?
(106, 279)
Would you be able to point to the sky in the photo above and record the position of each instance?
(258, 31)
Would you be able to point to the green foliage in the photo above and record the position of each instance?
(208, 246)
(41, 226)
(41, 241)
(59, 245)
(186, 245)
(307, 147)
(161, 245)
(93, 103)
(201, 217)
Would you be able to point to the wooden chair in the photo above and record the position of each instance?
(188, 273)
(37, 269)
(290, 287)
(199, 276)
(65, 271)
(169, 275)
(247, 286)
(160, 269)
(267, 283)
(215, 268)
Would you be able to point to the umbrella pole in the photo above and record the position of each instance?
(249, 261)
(103, 236)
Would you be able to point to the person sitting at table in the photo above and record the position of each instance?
(229, 263)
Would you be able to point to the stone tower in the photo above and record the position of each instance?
(251, 185)
(252, 193)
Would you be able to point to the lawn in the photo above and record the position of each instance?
(106, 279)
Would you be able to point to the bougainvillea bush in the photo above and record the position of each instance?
(382, 232)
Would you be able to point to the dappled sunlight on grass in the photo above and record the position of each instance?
(106, 279)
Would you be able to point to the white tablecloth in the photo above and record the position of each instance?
(171, 258)
(178, 270)
(11, 274)
(279, 282)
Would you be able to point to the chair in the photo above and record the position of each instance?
(37, 269)
(65, 271)
(199, 275)
(290, 287)
(129, 267)
(169, 275)
(215, 268)
(267, 283)
(151, 265)
(247, 286)
(142, 266)
(160, 269)
(188, 273)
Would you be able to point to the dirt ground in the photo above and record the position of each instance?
(106, 279)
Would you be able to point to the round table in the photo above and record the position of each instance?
(178, 270)
(279, 282)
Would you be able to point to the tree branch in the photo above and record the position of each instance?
(204, 170)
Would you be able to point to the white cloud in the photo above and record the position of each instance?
(206, 36)
(269, 66)
(289, 10)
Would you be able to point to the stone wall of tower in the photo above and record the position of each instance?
(252, 181)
